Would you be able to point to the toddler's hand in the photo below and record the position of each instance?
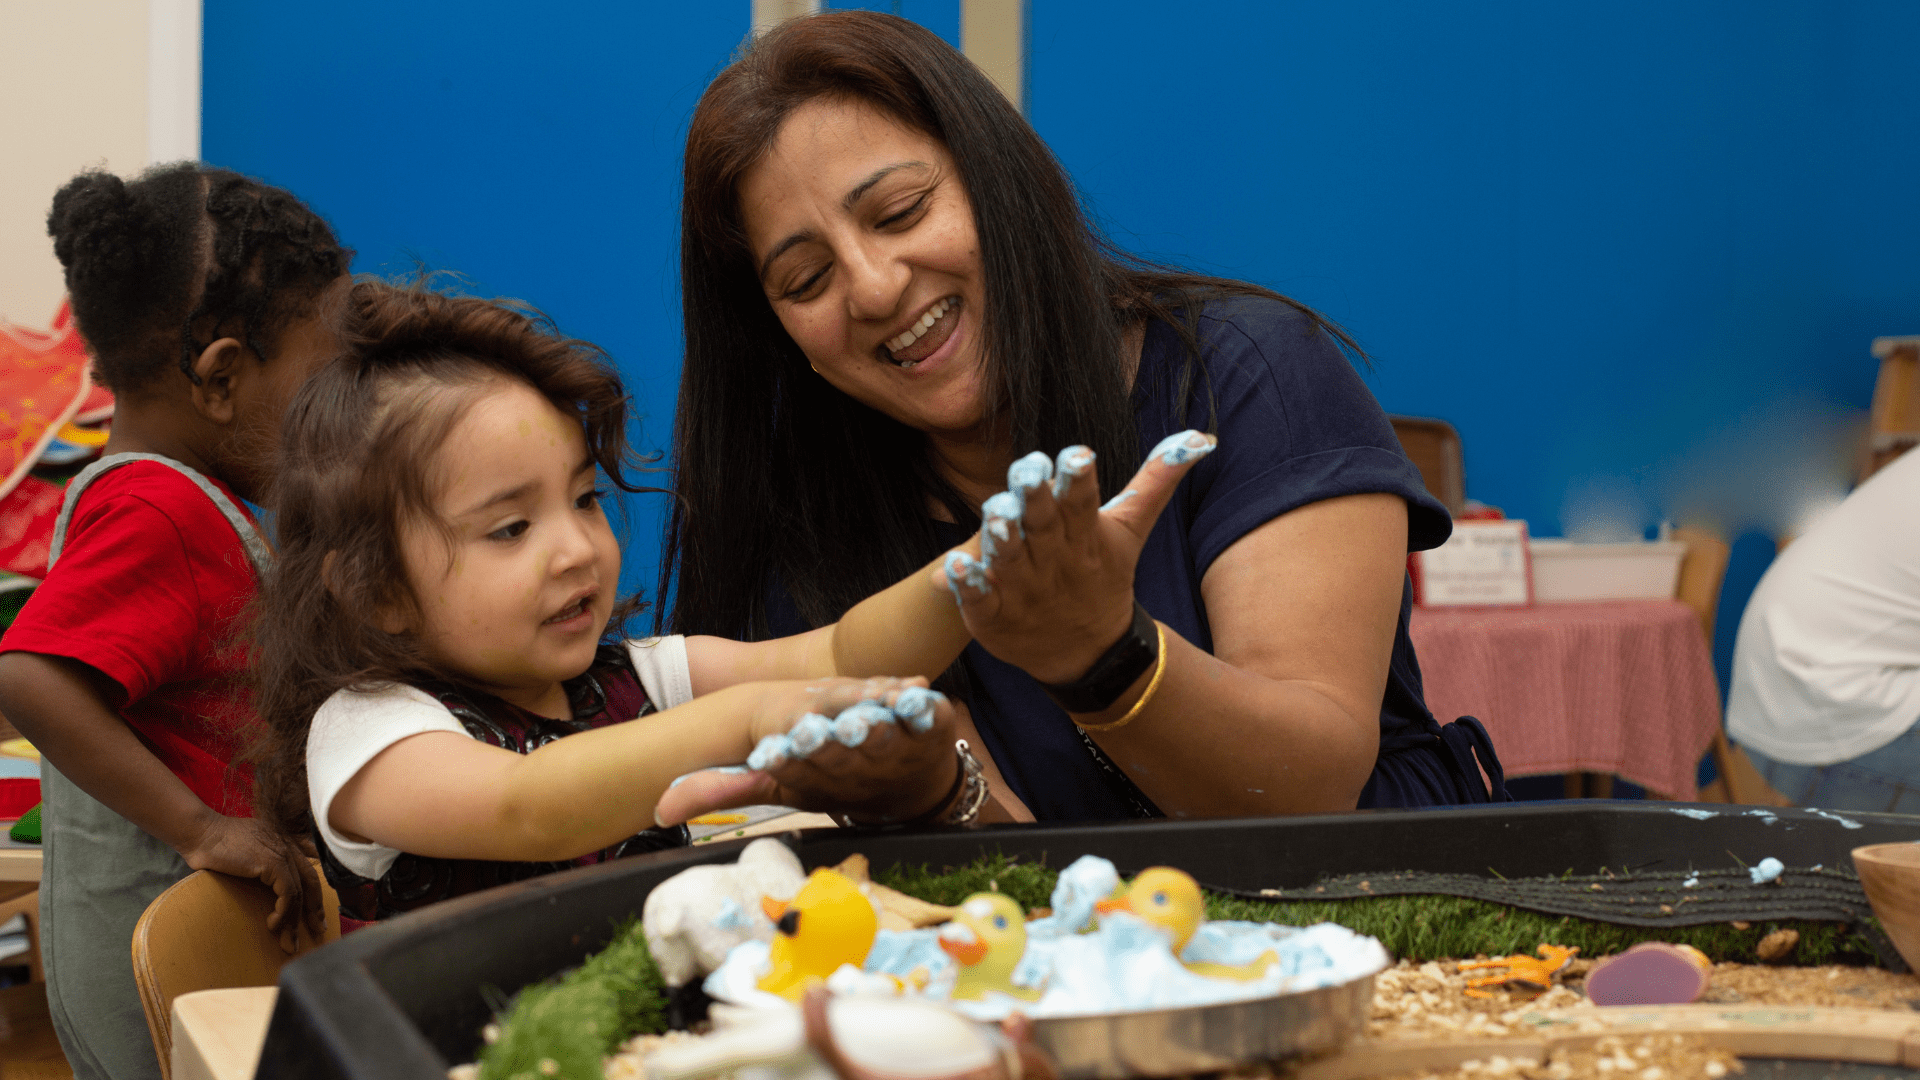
(247, 848)
(886, 759)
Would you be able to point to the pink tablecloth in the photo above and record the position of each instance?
(1622, 686)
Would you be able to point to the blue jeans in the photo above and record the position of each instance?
(1884, 780)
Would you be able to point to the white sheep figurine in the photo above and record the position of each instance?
(694, 918)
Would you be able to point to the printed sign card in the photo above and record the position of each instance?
(1483, 562)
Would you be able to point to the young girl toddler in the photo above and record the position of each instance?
(445, 710)
(201, 295)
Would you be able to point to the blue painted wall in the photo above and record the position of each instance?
(534, 149)
(1635, 252)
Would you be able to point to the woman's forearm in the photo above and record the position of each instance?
(1219, 741)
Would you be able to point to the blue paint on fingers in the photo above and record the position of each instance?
(1071, 464)
(1029, 473)
(1068, 467)
(856, 722)
(769, 752)
(1001, 515)
(1182, 447)
(964, 569)
(1114, 503)
(915, 707)
(810, 734)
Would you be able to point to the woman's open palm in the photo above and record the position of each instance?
(1047, 584)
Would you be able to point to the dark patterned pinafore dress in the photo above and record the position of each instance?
(609, 693)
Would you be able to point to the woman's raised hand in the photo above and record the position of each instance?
(877, 749)
(1047, 585)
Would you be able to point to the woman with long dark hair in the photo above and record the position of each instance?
(891, 294)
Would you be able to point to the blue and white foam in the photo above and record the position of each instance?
(1028, 473)
(914, 706)
(964, 569)
(1068, 467)
(1182, 447)
(809, 734)
(855, 722)
(770, 751)
(1089, 880)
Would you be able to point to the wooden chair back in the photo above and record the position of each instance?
(209, 932)
(1894, 424)
(1434, 447)
(1703, 570)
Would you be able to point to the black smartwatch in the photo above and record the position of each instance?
(1123, 662)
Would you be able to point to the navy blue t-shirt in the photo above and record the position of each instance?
(1296, 426)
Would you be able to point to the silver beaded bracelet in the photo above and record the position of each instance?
(963, 803)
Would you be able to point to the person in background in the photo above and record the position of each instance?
(1826, 670)
(203, 297)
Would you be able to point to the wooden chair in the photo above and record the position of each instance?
(25, 902)
(1894, 426)
(209, 932)
(1434, 447)
(1702, 572)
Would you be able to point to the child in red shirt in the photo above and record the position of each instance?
(202, 296)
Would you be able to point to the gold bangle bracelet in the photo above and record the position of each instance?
(1153, 684)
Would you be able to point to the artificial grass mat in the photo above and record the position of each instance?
(564, 1028)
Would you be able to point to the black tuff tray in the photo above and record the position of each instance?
(402, 1000)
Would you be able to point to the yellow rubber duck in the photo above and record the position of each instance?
(987, 938)
(829, 922)
(1170, 899)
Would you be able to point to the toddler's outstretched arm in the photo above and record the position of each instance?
(914, 627)
(447, 795)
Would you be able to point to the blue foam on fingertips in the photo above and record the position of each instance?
(1028, 473)
(1000, 515)
(1178, 448)
(770, 751)
(963, 568)
(810, 734)
(855, 722)
(1071, 463)
(850, 730)
(1005, 505)
(915, 707)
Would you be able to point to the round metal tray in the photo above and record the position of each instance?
(1205, 1038)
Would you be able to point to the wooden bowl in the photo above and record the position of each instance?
(1890, 873)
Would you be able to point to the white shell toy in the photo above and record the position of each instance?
(694, 918)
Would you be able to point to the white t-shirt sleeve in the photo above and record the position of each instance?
(348, 731)
(661, 663)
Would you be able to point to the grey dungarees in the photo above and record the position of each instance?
(101, 871)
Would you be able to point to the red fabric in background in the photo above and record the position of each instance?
(147, 591)
(27, 514)
(1620, 686)
(43, 384)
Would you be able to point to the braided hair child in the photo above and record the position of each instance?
(203, 297)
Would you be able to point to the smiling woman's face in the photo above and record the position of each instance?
(865, 244)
